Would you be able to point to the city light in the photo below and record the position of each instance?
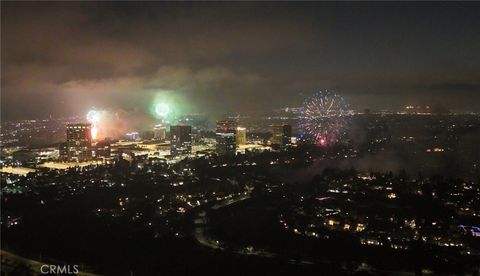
(180, 138)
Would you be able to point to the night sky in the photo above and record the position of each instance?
(64, 58)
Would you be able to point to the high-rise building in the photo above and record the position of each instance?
(226, 137)
(282, 135)
(159, 132)
(181, 142)
(79, 142)
(241, 136)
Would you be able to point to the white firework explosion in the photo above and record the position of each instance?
(325, 118)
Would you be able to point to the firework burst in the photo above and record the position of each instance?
(325, 118)
(94, 117)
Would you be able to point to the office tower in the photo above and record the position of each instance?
(282, 135)
(226, 137)
(79, 142)
(159, 132)
(181, 142)
(241, 136)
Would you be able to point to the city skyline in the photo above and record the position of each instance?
(240, 138)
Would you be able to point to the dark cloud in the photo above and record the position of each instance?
(65, 57)
(448, 87)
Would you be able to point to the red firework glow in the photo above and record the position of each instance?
(321, 141)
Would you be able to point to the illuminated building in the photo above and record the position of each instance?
(79, 142)
(226, 137)
(132, 136)
(181, 142)
(159, 132)
(282, 135)
(241, 136)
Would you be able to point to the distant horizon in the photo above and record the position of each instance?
(221, 114)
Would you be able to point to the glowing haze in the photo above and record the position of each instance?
(238, 56)
(115, 123)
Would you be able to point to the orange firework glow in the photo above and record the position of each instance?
(93, 116)
(93, 132)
